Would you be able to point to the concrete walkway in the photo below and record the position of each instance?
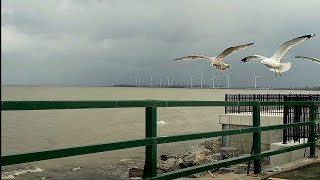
(310, 172)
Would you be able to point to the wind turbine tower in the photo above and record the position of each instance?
(255, 80)
(228, 79)
(201, 81)
(136, 82)
(213, 78)
(130, 81)
(190, 80)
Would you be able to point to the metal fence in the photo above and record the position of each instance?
(294, 114)
(268, 110)
(275, 109)
(152, 140)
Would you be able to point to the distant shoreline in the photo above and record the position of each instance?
(177, 87)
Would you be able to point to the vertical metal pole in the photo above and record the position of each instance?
(226, 107)
(256, 140)
(285, 121)
(312, 135)
(150, 169)
(239, 96)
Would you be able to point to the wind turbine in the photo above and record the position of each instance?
(151, 81)
(136, 82)
(168, 81)
(213, 78)
(255, 80)
(201, 81)
(228, 78)
(190, 80)
(160, 83)
(130, 82)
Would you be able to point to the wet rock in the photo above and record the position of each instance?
(241, 169)
(216, 156)
(197, 155)
(202, 154)
(212, 145)
(165, 157)
(198, 175)
(224, 170)
(135, 172)
(229, 152)
(203, 159)
(168, 165)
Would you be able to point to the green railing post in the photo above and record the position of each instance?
(256, 140)
(312, 132)
(150, 167)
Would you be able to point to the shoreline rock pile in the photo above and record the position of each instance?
(207, 152)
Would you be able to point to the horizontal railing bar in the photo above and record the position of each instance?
(74, 151)
(287, 149)
(284, 126)
(186, 137)
(204, 167)
(45, 105)
(59, 153)
(239, 103)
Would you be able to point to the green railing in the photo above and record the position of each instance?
(152, 140)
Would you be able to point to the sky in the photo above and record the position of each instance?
(106, 42)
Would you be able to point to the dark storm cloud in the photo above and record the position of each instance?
(102, 42)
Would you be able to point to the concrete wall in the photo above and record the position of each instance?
(283, 158)
(244, 141)
(269, 139)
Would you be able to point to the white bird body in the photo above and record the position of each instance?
(271, 63)
(274, 62)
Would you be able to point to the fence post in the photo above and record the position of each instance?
(150, 166)
(312, 135)
(256, 139)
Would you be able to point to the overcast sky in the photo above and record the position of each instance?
(97, 42)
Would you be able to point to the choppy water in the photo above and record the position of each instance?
(27, 131)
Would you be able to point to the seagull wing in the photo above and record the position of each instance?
(253, 57)
(227, 52)
(193, 57)
(288, 45)
(313, 59)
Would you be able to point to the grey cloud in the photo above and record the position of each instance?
(102, 42)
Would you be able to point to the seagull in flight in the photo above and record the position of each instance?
(274, 63)
(216, 61)
(313, 59)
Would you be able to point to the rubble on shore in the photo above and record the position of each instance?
(207, 152)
